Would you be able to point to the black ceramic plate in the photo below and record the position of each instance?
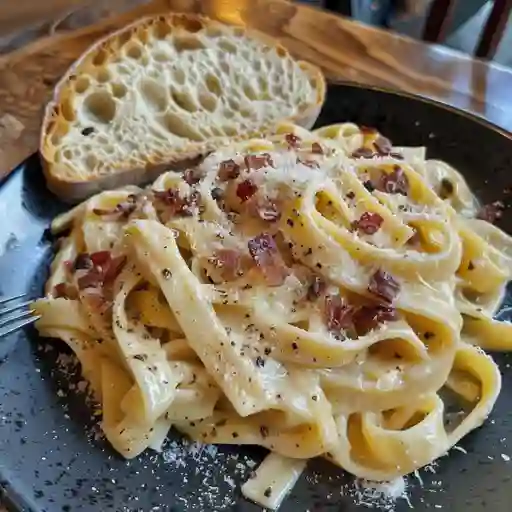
(50, 462)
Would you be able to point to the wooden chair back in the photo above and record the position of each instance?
(438, 21)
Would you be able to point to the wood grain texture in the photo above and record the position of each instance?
(346, 50)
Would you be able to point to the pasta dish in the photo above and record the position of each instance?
(321, 294)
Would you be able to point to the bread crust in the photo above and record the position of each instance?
(73, 186)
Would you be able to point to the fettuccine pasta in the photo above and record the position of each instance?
(321, 294)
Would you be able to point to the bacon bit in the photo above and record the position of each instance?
(292, 140)
(369, 223)
(100, 258)
(316, 288)
(415, 239)
(246, 190)
(104, 271)
(228, 170)
(268, 211)
(83, 261)
(317, 149)
(256, 162)
(92, 278)
(395, 182)
(491, 212)
(383, 145)
(183, 206)
(363, 152)
(95, 299)
(368, 130)
(192, 176)
(114, 269)
(65, 291)
(230, 261)
(122, 210)
(338, 314)
(367, 318)
(264, 252)
(384, 286)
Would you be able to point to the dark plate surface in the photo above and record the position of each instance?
(50, 462)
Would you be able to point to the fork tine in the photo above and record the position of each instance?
(18, 326)
(20, 316)
(4, 300)
(14, 308)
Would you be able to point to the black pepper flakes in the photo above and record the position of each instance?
(368, 185)
(471, 266)
(166, 274)
(234, 435)
(217, 193)
(314, 398)
(264, 431)
(428, 335)
(260, 362)
(267, 351)
(267, 492)
(295, 346)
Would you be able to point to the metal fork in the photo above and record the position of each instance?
(14, 317)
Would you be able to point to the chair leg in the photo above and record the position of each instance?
(438, 20)
(493, 30)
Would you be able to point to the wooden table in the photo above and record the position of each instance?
(43, 38)
(39, 40)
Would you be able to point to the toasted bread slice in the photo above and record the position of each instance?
(164, 91)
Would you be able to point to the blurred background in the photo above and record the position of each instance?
(23, 20)
(466, 20)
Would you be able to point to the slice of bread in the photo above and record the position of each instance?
(164, 91)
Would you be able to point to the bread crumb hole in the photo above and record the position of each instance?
(188, 42)
(124, 37)
(82, 84)
(162, 29)
(224, 66)
(230, 130)
(154, 95)
(119, 90)
(100, 106)
(67, 154)
(281, 52)
(227, 46)
(91, 162)
(175, 125)
(134, 51)
(184, 100)
(213, 32)
(213, 84)
(103, 75)
(208, 101)
(250, 92)
(179, 76)
(161, 56)
(234, 105)
(143, 36)
(100, 58)
(67, 110)
(191, 25)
